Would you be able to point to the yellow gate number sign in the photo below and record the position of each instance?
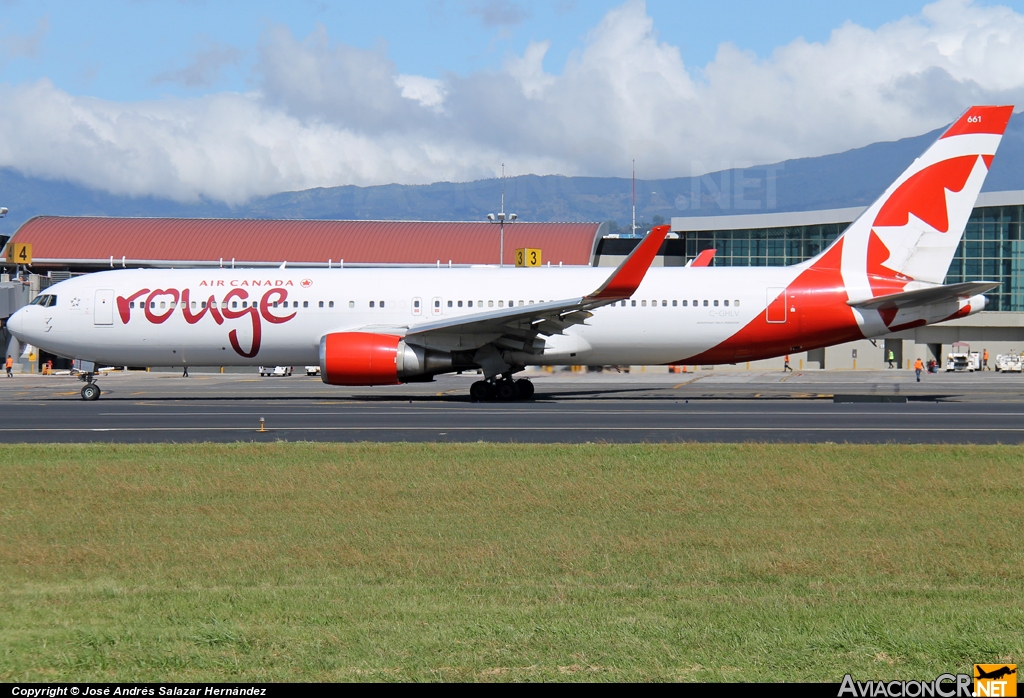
(19, 253)
(527, 257)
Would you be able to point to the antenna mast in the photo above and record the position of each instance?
(634, 199)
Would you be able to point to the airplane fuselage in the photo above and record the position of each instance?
(277, 317)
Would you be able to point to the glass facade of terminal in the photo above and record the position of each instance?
(991, 250)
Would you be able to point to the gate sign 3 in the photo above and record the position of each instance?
(527, 257)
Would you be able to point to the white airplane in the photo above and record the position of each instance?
(388, 326)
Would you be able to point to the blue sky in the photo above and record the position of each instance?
(132, 50)
(228, 99)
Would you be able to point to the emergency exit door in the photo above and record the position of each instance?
(103, 308)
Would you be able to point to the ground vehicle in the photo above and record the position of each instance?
(275, 370)
(312, 370)
(962, 358)
(388, 326)
(1010, 363)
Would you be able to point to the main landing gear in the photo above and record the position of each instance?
(91, 391)
(503, 388)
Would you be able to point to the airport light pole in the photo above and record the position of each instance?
(501, 218)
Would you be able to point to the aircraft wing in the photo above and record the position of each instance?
(516, 328)
(926, 296)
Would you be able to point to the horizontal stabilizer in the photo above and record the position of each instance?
(926, 296)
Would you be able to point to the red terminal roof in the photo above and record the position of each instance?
(60, 240)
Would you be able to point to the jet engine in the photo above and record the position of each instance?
(364, 358)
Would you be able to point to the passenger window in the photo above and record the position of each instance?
(479, 304)
(675, 303)
(416, 304)
(382, 304)
(520, 303)
(193, 304)
(203, 304)
(716, 304)
(162, 305)
(469, 304)
(684, 304)
(460, 304)
(275, 304)
(736, 304)
(490, 304)
(531, 302)
(501, 304)
(321, 304)
(664, 303)
(295, 304)
(305, 304)
(371, 304)
(437, 304)
(234, 304)
(623, 304)
(643, 304)
(705, 304)
(132, 304)
(245, 304)
(726, 303)
(449, 304)
(632, 304)
(330, 304)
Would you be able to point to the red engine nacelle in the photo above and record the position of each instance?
(359, 358)
(364, 358)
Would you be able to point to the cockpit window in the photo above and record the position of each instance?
(46, 300)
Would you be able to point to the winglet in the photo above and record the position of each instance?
(703, 259)
(625, 280)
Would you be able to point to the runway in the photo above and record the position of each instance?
(616, 408)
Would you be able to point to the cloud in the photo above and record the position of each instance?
(320, 80)
(205, 66)
(322, 113)
(27, 46)
(498, 13)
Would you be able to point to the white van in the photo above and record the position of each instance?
(275, 370)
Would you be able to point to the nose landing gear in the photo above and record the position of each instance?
(90, 391)
(503, 388)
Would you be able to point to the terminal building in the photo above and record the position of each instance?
(991, 250)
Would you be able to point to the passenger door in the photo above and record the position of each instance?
(103, 308)
(776, 311)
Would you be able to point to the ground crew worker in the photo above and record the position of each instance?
(786, 366)
(984, 360)
(9, 365)
(918, 367)
(891, 358)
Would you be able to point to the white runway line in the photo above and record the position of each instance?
(520, 429)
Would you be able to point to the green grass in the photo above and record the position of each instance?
(490, 562)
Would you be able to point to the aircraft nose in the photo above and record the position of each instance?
(16, 322)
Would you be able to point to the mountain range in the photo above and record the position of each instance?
(852, 178)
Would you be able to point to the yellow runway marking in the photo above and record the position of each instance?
(695, 378)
